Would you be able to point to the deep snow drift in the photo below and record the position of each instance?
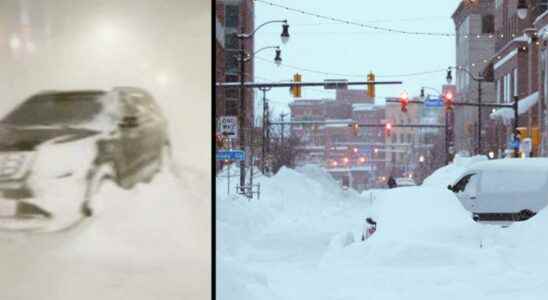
(301, 240)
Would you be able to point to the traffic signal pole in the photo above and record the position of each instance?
(242, 117)
(333, 84)
(480, 80)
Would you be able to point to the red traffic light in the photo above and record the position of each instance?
(404, 101)
(448, 101)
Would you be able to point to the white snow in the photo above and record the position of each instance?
(302, 240)
(507, 114)
(154, 241)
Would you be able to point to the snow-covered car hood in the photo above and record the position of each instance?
(28, 138)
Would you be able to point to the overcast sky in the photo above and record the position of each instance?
(330, 47)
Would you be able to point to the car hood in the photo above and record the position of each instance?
(28, 138)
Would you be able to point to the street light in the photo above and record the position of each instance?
(242, 113)
(522, 9)
(285, 33)
(278, 58)
(449, 76)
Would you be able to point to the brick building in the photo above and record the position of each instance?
(348, 157)
(400, 150)
(233, 16)
(518, 70)
(475, 46)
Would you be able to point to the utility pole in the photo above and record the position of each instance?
(446, 137)
(242, 116)
(264, 128)
(516, 123)
(480, 80)
(282, 117)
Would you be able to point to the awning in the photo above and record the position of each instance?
(507, 114)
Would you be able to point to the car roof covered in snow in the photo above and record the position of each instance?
(522, 164)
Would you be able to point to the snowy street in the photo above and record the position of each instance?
(302, 241)
(145, 245)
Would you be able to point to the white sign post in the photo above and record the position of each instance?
(228, 126)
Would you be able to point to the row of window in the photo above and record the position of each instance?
(507, 87)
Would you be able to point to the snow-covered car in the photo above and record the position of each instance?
(405, 181)
(56, 148)
(504, 190)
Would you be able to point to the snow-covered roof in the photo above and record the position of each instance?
(507, 114)
(363, 107)
(336, 125)
(525, 164)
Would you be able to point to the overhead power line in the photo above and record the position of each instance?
(355, 75)
(374, 27)
(393, 30)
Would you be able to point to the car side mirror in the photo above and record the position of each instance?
(450, 187)
(129, 122)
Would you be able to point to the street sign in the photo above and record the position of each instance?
(433, 102)
(228, 126)
(230, 155)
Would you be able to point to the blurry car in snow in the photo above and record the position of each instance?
(56, 148)
(405, 181)
(504, 190)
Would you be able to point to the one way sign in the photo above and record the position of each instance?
(228, 126)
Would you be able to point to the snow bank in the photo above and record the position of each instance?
(426, 245)
(292, 205)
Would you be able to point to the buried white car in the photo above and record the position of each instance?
(505, 190)
(56, 148)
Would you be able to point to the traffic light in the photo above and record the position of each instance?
(371, 86)
(388, 129)
(296, 90)
(448, 99)
(404, 101)
(355, 129)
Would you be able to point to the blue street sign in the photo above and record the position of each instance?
(433, 102)
(230, 155)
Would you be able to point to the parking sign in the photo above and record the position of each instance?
(228, 126)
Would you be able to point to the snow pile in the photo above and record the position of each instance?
(448, 174)
(291, 206)
(426, 245)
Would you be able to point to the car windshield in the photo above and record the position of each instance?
(56, 109)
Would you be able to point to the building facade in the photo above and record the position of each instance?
(401, 150)
(233, 17)
(475, 46)
(348, 155)
(518, 70)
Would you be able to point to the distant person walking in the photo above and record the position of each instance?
(391, 182)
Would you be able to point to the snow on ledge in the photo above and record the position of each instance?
(507, 114)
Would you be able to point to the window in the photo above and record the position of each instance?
(497, 89)
(461, 185)
(231, 107)
(232, 41)
(232, 93)
(231, 62)
(488, 24)
(515, 82)
(232, 15)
